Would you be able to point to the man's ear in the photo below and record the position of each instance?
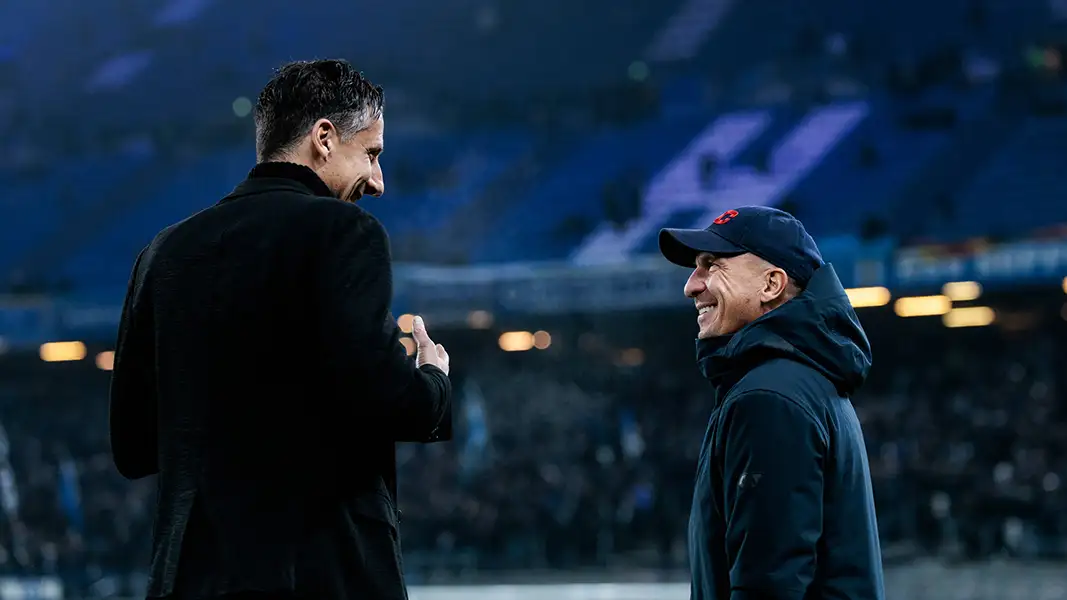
(323, 138)
(775, 283)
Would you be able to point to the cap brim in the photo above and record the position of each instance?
(681, 246)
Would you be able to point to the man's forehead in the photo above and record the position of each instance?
(708, 257)
(375, 127)
(374, 134)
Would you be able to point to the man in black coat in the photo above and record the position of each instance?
(782, 506)
(260, 375)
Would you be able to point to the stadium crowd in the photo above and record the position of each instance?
(582, 456)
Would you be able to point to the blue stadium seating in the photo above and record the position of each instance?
(183, 68)
(1028, 172)
(554, 216)
(885, 30)
(842, 193)
(464, 166)
(39, 207)
(757, 152)
(468, 163)
(572, 189)
(834, 199)
(106, 262)
(30, 212)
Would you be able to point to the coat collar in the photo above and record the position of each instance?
(293, 172)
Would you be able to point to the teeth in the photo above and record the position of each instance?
(703, 310)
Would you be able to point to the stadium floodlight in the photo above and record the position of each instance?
(962, 291)
(866, 297)
(922, 306)
(62, 351)
(516, 341)
(970, 316)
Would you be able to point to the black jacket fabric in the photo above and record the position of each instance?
(259, 373)
(783, 507)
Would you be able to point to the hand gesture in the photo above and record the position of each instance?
(427, 352)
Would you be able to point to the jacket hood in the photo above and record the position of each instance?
(818, 328)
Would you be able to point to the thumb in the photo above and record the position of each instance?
(418, 331)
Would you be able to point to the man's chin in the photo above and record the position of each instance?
(714, 332)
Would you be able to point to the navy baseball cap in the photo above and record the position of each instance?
(771, 234)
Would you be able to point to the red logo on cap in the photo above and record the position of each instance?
(725, 217)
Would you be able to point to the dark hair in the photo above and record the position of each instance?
(303, 92)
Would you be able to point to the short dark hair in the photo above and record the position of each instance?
(303, 92)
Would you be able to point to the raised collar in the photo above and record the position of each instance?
(294, 172)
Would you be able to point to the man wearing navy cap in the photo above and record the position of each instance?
(782, 505)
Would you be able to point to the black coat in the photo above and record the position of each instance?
(259, 373)
(783, 507)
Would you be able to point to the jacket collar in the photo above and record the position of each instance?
(293, 172)
(270, 175)
(714, 365)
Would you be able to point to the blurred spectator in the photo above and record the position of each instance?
(583, 456)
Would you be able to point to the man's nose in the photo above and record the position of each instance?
(695, 286)
(376, 184)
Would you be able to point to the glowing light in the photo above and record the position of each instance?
(922, 306)
(516, 341)
(631, 357)
(480, 319)
(868, 297)
(105, 361)
(962, 291)
(542, 340)
(62, 351)
(971, 316)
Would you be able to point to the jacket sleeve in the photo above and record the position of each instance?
(362, 340)
(772, 465)
(133, 406)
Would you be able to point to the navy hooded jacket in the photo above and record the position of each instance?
(782, 506)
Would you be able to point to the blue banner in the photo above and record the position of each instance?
(1014, 264)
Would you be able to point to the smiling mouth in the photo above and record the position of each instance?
(705, 309)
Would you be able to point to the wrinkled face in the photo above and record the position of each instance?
(731, 292)
(350, 166)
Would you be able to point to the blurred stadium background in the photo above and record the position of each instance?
(534, 148)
